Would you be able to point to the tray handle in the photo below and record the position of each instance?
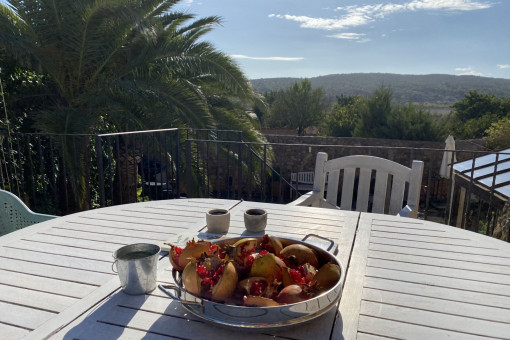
(330, 246)
(172, 287)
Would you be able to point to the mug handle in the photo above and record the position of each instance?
(114, 263)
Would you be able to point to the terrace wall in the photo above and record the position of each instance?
(294, 157)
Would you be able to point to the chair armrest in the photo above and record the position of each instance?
(410, 211)
(310, 199)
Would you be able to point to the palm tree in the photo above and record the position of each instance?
(135, 64)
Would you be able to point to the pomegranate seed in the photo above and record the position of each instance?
(213, 248)
(202, 271)
(263, 252)
(207, 282)
(296, 276)
(216, 276)
(249, 262)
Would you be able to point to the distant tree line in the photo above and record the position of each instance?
(432, 89)
(380, 116)
(377, 116)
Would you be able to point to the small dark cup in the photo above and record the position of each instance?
(255, 220)
(218, 220)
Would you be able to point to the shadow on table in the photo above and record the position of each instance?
(106, 320)
(178, 322)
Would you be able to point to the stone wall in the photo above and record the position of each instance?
(298, 153)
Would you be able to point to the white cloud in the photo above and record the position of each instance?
(348, 36)
(354, 16)
(503, 66)
(240, 56)
(467, 71)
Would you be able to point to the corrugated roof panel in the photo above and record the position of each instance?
(481, 161)
(486, 168)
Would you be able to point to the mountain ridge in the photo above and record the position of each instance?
(437, 90)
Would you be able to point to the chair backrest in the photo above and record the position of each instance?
(378, 180)
(14, 214)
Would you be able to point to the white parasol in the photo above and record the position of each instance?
(449, 157)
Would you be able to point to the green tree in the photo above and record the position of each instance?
(297, 107)
(341, 120)
(380, 117)
(473, 115)
(411, 122)
(373, 121)
(498, 134)
(134, 64)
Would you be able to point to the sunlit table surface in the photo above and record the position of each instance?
(406, 278)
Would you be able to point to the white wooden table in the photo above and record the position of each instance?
(405, 279)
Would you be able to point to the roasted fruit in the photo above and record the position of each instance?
(241, 251)
(271, 244)
(292, 294)
(267, 266)
(302, 274)
(258, 301)
(256, 286)
(180, 257)
(226, 285)
(218, 285)
(298, 254)
(190, 278)
(249, 272)
(326, 278)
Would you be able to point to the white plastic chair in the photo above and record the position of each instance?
(387, 194)
(14, 214)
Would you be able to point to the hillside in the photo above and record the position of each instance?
(436, 90)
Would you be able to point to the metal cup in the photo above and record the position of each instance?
(137, 266)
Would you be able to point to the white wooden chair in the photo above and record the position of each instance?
(388, 191)
(14, 214)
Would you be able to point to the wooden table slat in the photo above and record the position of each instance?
(406, 278)
(382, 328)
(439, 320)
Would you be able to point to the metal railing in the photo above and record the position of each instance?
(61, 174)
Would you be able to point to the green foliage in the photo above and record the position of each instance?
(374, 116)
(297, 107)
(134, 65)
(378, 116)
(498, 134)
(137, 63)
(476, 113)
(411, 122)
(343, 116)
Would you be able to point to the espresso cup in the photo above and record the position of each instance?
(255, 220)
(218, 220)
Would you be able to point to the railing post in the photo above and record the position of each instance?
(239, 170)
(263, 175)
(178, 162)
(189, 175)
(100, 170)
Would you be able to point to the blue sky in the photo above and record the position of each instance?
(308, 38)
(285, 38)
